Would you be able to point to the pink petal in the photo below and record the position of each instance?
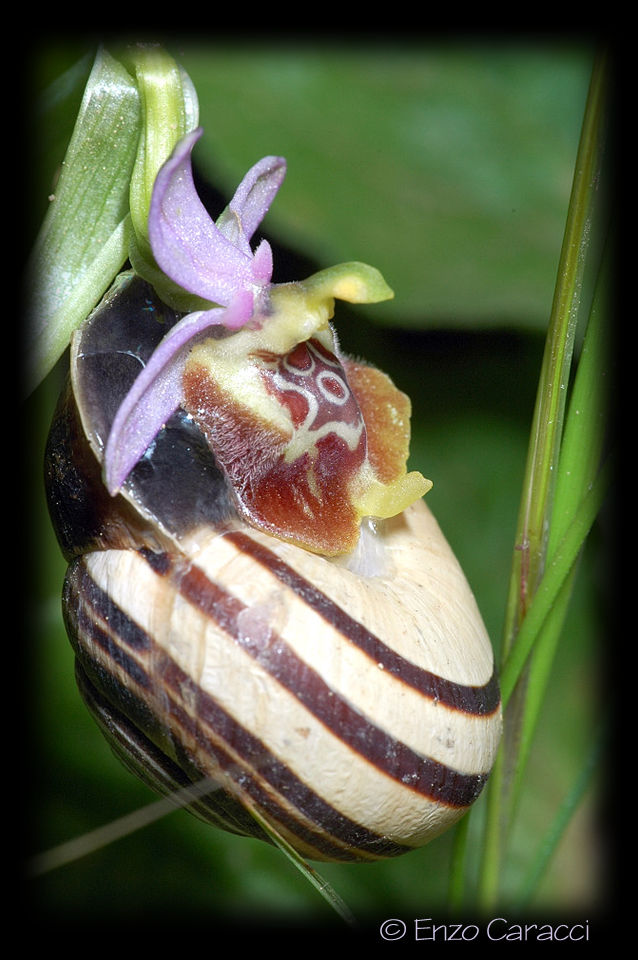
(252, 201)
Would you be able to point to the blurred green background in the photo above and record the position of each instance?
(448, 166)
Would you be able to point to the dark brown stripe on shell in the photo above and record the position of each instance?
(91, 615)
(426, 776)
(335, 837)
(256, 756)
(477, 701)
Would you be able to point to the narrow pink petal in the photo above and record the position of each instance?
(262, 264)
(252, 200)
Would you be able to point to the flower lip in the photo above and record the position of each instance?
(211, 259)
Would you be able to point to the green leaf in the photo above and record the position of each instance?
(83, 242)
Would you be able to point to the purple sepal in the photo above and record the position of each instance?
(211, 260)
(157, 391)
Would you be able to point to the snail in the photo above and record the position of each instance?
(258, 597)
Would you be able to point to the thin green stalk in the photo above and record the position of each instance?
(325, 889)
(72, 850)
(584, 435)
(561, 564)
(534, 588)
(554, 835)
(458, 865)
(539, 669)
(489, 879)
(546, 433)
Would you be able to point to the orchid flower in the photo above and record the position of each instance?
(309, 440)
(211, 259)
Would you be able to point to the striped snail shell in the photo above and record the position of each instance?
(350, 702)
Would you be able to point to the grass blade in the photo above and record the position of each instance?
(581, 449)
(548, 847)
(562, 562)
(546, 434)
(538, 584)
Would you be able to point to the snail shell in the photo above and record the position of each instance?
(351, 703)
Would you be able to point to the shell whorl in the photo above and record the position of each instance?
(352, 702)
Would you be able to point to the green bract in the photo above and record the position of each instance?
(128, 123)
